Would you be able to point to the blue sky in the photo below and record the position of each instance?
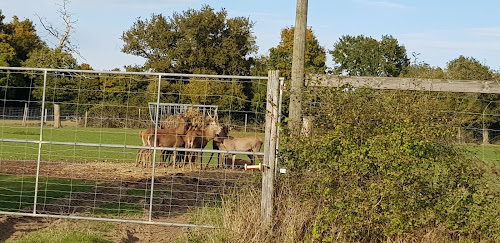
(439, 30)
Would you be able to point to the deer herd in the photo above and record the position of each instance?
(188, 135)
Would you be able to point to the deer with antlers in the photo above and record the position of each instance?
(199, 138)
(164, 138)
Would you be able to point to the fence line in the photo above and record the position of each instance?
(391, 83)
(156, 195)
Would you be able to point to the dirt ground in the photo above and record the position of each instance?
(12, 228)
(189, 189)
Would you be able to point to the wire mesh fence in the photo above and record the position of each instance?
(464, 114)
(116, 155)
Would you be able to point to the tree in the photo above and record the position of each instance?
(468, 68)
(63, 36)
(17, 40)
(227, 95)
(50, 58)
(280, 57)
(424, 70)
(365, 56)
(194, 41)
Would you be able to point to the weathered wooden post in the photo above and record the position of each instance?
(270, 148)
(307, 126)
(298, 66)
(25, 114)
(246, 122)
(86, 118)
(57, 116)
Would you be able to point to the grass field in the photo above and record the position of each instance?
(487, 153)
(71, 133)
(18, 192)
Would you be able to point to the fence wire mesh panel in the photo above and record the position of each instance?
(467, 119)
(142, 147)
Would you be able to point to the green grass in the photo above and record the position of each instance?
(18, 192)
(29, 151)
(487, 153)
(118, 209)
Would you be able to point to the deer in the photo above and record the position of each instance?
(198, 138)
(181, 129)
(172, 141)
(216, 143)
(241, 143)
(143, 157)
(237, 162)
(166, 138)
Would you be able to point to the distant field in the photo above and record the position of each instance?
(488, 153)
(18, 192)
(71, 133)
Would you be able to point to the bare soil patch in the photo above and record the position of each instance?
(179, 192)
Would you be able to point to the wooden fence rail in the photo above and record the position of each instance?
(441, 85)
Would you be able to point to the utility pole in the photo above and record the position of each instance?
(298, 73)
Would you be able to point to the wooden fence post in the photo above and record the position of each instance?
(246, 121)
(86, 118)
(270, 148)
(298, 68)
(25, 114)
(307, 126)
(57, 116)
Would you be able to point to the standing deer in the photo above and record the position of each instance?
(143, 157)
(241, 143)
(181, 129)
(198, 138)
(216, 143)
(172, 137)
(172, 141)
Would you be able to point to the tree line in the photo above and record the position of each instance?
(207, 41)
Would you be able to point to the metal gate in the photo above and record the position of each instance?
(85, 167)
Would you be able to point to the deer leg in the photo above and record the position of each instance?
(210, 159)
(252, 158)
(223, 156)
(175, 157)
(149, 156)
(234, 159)
(138, 158)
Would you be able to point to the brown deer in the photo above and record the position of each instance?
(241, 143)
(172, 141)
(166, 138)
(146, 134)
(198, 138)
(236, 162)
(216, 144)
(143, 157)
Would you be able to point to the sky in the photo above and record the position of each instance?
(435, 32)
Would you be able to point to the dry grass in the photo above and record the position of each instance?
(293, 220)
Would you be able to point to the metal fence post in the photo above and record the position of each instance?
(270, 148)
(40, 142)
(154, 147)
